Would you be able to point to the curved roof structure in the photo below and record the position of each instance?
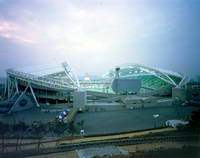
(58, 76)
(128, 70)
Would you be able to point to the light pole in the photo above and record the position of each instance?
(155, 116)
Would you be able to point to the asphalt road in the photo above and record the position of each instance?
(111, 121)
(130, 120)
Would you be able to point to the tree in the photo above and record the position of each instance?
(19, 130)
(59, 129)
(194, 123)
(80, 124)
(40, 130)
(71, 128)
(4, 129)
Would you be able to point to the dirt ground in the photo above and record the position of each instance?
(118, 136)
(79, 140)
(163, 145)
(71, 154)
(132, 149)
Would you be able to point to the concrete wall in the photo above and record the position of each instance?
(125, 85)
(112, 107)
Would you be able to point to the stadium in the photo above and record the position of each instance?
(56, 84)
(151, 78)
(128, 97)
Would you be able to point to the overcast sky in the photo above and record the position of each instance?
(95, 35)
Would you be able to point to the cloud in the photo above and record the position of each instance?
(103, 33)
(68, 28)
(15, 32)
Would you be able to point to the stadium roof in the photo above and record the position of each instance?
(59, 75)
(168, 76)
(41, 70)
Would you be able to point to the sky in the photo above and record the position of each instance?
(96, 35)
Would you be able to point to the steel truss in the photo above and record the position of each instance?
(15, 77)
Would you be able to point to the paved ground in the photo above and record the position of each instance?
(129, 120)
(30, 115)
(112, 121)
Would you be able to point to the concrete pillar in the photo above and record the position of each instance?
(80, 98)
(179, 93)
(117, 69)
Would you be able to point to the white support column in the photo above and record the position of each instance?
(11, 89)
(13, 96)
(34, 97)
(143, 69)
(77, 80)
(184, 80)
(19, 98)
(16, 89)
(165, 80)
(169, 78)
(67, 73)
(16, 86)
(8, 78)
(170, 81)
(5, 88)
